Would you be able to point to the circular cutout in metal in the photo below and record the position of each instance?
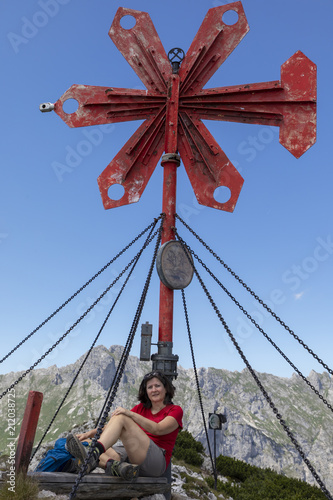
(173, 265)
(70, 106)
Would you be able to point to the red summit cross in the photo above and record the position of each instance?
(174, 105)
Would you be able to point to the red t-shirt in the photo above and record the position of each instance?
(167, 442)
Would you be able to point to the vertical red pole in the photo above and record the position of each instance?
(170, 163)
(28, 431)
(168, 207)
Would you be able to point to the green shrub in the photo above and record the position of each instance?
(244, 481)
(247, 482)
(188, 449)
(235, 469)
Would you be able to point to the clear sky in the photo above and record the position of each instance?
(55, 233)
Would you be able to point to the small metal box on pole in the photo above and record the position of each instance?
(146, 335)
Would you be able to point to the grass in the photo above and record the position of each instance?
(22, 488)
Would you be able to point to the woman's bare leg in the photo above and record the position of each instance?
(134, 439)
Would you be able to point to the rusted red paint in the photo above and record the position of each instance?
(28, 431)
(173, 107)
(165, 330)
(289, 104)
(143, 50)
(211, 46)
(170, 165)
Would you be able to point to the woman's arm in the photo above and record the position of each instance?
(167, 425)
(88, 435)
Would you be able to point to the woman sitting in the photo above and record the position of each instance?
(148, 434)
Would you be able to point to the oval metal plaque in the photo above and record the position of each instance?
(173, 265)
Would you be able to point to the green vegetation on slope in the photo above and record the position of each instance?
(246, 482)
(188, 449)
(243, 481)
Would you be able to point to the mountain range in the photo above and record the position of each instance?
(251, 433)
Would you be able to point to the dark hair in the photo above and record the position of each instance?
(169, 387)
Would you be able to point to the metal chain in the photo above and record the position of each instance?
(72, 327)
(121, 368)
(80, 289)
(147, 242)
(260, 329)
(257, 298)
(197, 381)
(120, 364)
(257, 380)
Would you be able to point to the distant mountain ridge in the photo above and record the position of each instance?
(252, 433)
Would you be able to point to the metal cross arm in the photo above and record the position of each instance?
(175, 103)
(289, 104)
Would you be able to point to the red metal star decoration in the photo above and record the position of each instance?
(174, 105)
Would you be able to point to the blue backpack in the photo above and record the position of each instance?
(55, 460)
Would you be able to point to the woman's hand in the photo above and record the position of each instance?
(121, 411)
(86, 435)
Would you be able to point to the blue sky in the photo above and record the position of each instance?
(55, 233)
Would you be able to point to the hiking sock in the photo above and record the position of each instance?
(100, 447)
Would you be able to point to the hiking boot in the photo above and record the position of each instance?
(122, 469)
(79, 451)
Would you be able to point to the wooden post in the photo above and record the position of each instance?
(28, 431)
